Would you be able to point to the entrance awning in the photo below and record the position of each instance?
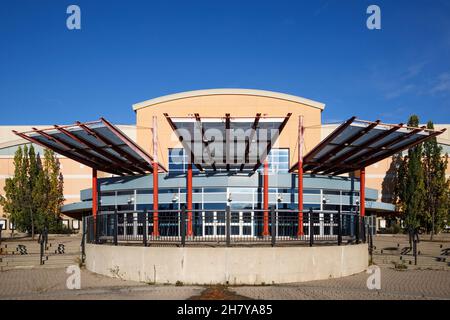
(357, 144)
(97, 144)
(227, 143)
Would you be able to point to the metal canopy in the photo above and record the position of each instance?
(96, 144)
(356, 144)
(227, 143)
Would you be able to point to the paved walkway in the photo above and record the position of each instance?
(395, 285)
(23, 278)
(394, 249)
(48, 283)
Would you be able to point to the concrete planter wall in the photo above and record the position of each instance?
(253, 266)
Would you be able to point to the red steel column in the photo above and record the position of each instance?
(155, 200)
(189, 198)
(300, 176)
(266, 199)
(362, 192)
(155, 177)
(94, 199)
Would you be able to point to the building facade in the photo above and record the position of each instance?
(213, 190)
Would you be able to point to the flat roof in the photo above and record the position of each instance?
(229, 91)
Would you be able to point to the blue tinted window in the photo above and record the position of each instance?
(178, 161)
(278, 160)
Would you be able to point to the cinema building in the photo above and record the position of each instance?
(247, 169)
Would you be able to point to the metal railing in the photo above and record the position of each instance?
(225, 227)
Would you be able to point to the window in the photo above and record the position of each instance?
(278, 160)
(65, 223)
(310, 191)
(125, 193)
(108, 193)
(75, 224)
(107, 208)
(349, 193)
(3, 224)
(331, 207)
(313, 206)
(332, 192)
(215, 190)
(178, 161)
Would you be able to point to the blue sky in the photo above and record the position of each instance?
(130, 51)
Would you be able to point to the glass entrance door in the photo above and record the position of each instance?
(242, 220)
(242, 215)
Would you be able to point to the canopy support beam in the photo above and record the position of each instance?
(155, 177)
(300, 176)
(266, 199)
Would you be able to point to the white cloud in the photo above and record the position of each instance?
(441, 85)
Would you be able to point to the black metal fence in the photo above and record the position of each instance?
(225, 227)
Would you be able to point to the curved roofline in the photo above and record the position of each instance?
(13, 143)
(228, 91)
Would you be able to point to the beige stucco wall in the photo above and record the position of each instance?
(234, 266)
(217, 105)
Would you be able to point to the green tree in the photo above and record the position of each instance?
(14, 189)
(436, 185)
(55, 183)
(34, 168)
(34, 195)
(16, 200)
(410, 188)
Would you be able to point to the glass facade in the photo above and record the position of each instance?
(278, 160)
(178, 161)
(210, 203)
